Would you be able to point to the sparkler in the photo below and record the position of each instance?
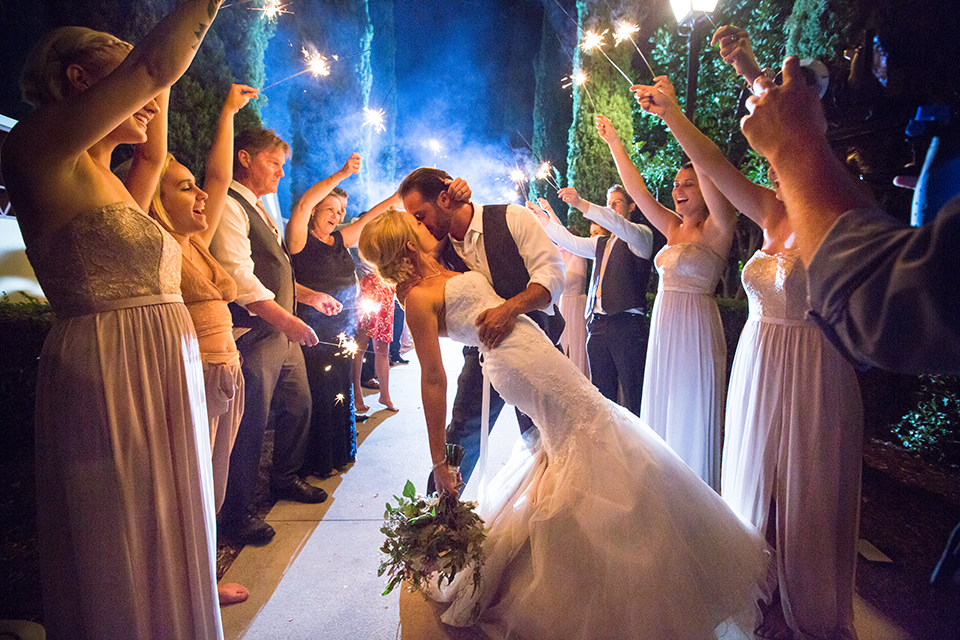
(593, 40)
(348, 346)
(434, 145)
(271, 9)
(579, 78)
(368, 307)
(317, 64)
(374, 119)
(339, 398)
(543, 173)
(625, 31)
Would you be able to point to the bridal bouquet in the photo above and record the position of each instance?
(430, 534)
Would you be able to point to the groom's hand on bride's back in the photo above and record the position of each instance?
(496, 324)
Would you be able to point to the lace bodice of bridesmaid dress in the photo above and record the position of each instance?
(109, 258)
(776, 286)
(526, 369)
(689, 267)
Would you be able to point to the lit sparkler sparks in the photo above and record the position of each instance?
(374, 118)
(339, 398)
(271, 9)
(593, 40)
(579, 78)
(543, 173)
(368, 307)
(317, 64)
(434, 145)
(348, 346)
(625, 31)
(518, 176)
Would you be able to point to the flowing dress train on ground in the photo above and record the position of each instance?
(602, 531)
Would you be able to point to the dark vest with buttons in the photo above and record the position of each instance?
(507, 270)
(271, 265)
(624, 280)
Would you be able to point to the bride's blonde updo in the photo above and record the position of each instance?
(44, 76)
(383, 243)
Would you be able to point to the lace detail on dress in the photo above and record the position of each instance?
(776, 286)
(527, 370)
(102, 257)
(689, 267)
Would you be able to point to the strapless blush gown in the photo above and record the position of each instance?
(124, 482)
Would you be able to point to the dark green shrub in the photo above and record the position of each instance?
(23, 328)
(932, 427)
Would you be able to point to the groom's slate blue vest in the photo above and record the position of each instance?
(507, 270)
(271, 265)
(625, 279)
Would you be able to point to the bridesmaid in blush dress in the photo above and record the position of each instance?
(684, 381)
(792, 452)
(124, 486)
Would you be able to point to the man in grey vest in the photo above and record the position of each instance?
(507, 245)
(617, 325)
(250, 247)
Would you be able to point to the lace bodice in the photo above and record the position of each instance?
(528, 371)
(109, 258)
(776, 286)
(689, 267)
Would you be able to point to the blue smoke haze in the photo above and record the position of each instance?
(464, 78)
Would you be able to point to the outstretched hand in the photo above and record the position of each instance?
(737, 51)
(570, 196)
(322, 302)
(605, 128)
(539, 213)
(351, 166)
(789, 116)
(238, 97)
(656, 98)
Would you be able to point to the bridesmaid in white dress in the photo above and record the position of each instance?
(124, 485)
(794, 419)
(685, 378)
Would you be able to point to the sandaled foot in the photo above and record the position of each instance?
(232, 593)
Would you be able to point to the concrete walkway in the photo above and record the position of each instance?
(317, 579)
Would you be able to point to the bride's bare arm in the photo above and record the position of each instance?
(422, 317)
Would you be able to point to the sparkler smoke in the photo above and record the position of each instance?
(593, 40)
(625, 31)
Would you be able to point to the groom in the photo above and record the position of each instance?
(508, 246)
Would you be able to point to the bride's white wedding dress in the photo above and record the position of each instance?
(603, 532)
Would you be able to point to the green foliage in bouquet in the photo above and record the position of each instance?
(430, 534)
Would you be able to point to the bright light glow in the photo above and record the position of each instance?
(316, 63)
(592, 40)
(543, 173)
(683, 9)
(434, 146)
(510, 195)
(339, 399)
(518, 176)
(348, 346)
(625, 31)
(369, 307)
(375, 119)
(271, 9)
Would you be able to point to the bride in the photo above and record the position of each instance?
(602, 531)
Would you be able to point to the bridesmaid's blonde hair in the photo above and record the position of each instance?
(44, 78)
(383, 243)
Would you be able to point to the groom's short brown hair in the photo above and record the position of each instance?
(426, 181)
